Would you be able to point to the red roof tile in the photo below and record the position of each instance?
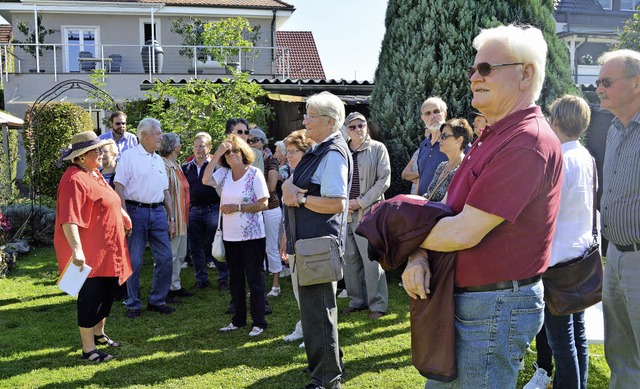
(304, 62)
(5, 33)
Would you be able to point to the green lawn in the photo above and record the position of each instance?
(40, 344)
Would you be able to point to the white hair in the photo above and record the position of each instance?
(524, 44)
(630, 59)
(329, 105)
(437, 101)
(280, 147)
(147, 124)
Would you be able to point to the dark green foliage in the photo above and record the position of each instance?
(629, 37)
(36, 227)
(8, 173)
(52, 130)
(425, 52)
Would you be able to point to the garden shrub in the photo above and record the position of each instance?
(8, 173)
(55, 124)
(38, 229)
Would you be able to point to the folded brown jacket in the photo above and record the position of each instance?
(395, 229)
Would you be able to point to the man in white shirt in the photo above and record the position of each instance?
(142, 184)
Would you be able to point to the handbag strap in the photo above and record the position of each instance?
(595, 193)
(219, 205)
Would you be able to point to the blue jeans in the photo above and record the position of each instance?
(568, 340)
(203, 222)
(493, 331)
(149, 225)
(319, 316)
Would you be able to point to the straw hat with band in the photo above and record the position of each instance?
(81, 143)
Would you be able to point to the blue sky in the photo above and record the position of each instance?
(348, 34)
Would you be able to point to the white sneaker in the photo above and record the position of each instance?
(540, 379)
(275, 292)
(211, 265)
(292, 337)
(301, 345)
(343, 294)
(230, 327)
(184, 265)
(285, 272)
(255, 331)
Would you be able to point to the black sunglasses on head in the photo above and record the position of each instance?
(484, 68)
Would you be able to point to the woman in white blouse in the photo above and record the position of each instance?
(243, 197)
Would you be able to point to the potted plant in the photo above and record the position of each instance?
(191, 32)
(30, 39)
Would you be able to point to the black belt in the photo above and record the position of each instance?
(499, 285)
(143, 205)
(628, 248)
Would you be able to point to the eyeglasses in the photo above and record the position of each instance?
(240, 132)
(444, 136)
(428, 113)
(353, 126)
(485, 68)
(254, 140)
(291, 152)
(99, 150)
(607, 82)
(234, 151)
(309, 117)
(121, 123)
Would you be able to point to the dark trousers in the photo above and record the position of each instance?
(245, 260)
(319, 316)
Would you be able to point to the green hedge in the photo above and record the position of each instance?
(54, 126)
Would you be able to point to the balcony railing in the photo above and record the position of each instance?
(55, 59)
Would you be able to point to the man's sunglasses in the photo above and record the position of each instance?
(607, 82)
(359, 125)
(484, 68)
(121, 123)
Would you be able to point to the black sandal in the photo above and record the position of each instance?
(96, 356)
(104, 340)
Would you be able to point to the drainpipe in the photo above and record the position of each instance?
(273, 40)
(37, 33)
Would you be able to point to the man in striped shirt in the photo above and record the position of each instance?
(618, 88)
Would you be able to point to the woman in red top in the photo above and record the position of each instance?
(91, 229)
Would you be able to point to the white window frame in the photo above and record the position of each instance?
(65, 47)
(157, 22)
(636, 4)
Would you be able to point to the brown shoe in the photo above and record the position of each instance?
(349, 310)
(376, 315)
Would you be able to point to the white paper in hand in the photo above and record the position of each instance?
(72, 278)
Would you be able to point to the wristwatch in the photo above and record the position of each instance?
(303, 201)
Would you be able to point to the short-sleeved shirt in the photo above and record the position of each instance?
(127, 141)
(90, 203)
(514, 171)
(429, 157)
(143, 176)
(241, 226)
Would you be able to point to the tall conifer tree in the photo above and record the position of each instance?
(426, 51)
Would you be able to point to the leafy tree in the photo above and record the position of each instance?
(216, 38)
(55, 124)
(629, 37)
(202, 105)
(426, 51)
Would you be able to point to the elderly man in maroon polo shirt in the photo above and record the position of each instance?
(506, 195)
